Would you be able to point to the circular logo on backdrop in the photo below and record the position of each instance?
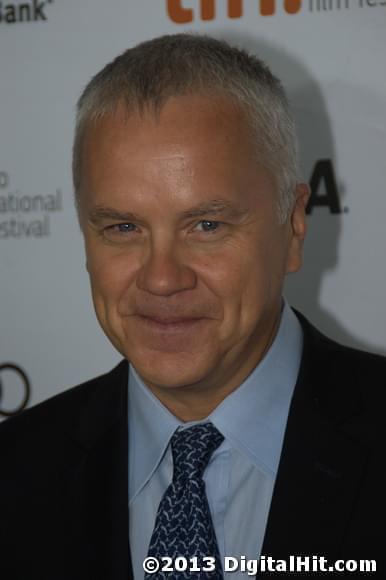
(15, 384)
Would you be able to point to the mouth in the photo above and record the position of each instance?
(170, 323)
(170, 327)
(169, 333)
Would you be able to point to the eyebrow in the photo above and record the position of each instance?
(213, 207)
(100, 213)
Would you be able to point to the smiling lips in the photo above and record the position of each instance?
(169, 325)
(170, 321)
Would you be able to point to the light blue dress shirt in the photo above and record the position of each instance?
(241, 473)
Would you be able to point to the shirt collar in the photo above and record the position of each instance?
(151, 426)
(260, 404)
(262, 401)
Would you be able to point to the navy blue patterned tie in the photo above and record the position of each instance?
(183, 525)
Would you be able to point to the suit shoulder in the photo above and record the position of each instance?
(339, 356)
(53, 412)
(347, 380)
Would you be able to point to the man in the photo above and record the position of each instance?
(188, 196)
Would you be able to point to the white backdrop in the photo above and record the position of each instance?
(330, 56)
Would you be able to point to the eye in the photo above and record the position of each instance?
(208, 225)
(119, 230)
(122, 228)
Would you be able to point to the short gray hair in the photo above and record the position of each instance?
(146, 76)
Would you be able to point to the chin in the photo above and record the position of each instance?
(171, 370)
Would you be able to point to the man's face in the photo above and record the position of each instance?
(184, 248)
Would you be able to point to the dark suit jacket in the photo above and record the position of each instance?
(63, 483)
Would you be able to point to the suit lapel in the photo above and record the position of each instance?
(98, 485)
(322, 459)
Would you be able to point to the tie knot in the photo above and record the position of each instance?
(192, 449)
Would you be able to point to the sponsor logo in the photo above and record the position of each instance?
(26, 216)
(179, 12)
(13, 12)
(324, 189)
(14, 379)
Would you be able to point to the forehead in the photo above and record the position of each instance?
(194, 122)
(196, 148)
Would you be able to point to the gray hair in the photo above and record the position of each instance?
(146, 76)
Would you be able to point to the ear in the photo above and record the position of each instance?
(297, 228)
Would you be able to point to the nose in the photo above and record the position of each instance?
(164, 272)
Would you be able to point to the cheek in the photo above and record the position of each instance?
(110, 274)
(237, 280)
(248, 285)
